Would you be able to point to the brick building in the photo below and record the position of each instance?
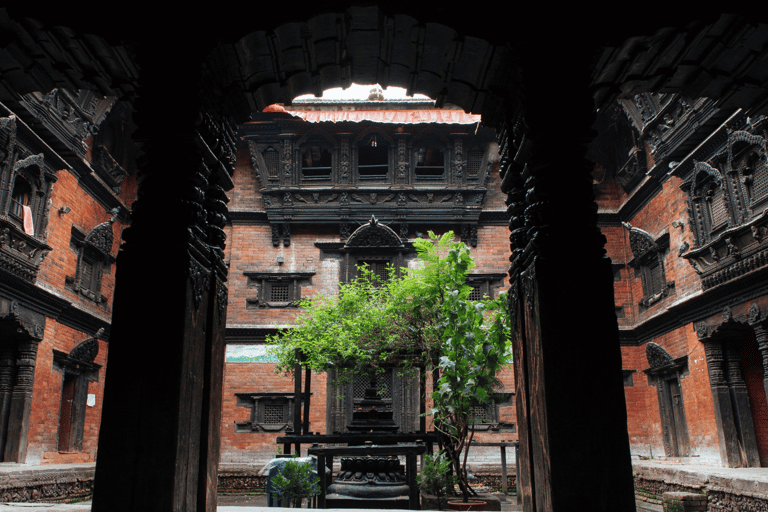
(309, 179)
(682, 187)
(65, 188)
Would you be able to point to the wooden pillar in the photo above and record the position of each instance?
(7, 363)
(570, 395)
(307, 393)
(761, 333)
(159, 438)
(740, 401)
(721, 396)
(21, 403)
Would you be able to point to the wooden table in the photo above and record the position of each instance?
(325, 456)
(503, 447)
(353, 439)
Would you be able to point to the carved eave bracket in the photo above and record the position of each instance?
(72, 117)
(29, 321)
(107, 167)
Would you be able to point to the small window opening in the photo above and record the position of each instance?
(316, 163)
(430, 162)
(20, 198)
(373, 158)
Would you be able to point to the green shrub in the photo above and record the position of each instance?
(296, 482)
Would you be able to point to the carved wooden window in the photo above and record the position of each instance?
(749, 161)
(316, 162)
(379, 267)
(709, 202)
(276, 290)
(649, 264)
(384, 382)
(429, 160)
(28, 196)
(272, 161)
(474, 162)
(483, 285)
(485, 416)
(268, 412)
(93, 260)
(373, 157)
(19, 199)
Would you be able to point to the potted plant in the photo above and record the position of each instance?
(296, 481)
(436, 478)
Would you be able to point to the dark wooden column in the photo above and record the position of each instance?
(740, 401)
(571, 407)
(7, 363)
(21, 402)
(761, 333)
(721, 396)
(159, 438)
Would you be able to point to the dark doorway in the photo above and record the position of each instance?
(752, 372)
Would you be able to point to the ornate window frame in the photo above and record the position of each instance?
(482, 284)
(426, 147)
(648, 263)
(380, 139)
(266, 281)
(93, 259)
(263, 407)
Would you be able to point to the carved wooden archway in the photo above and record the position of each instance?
(161, 418)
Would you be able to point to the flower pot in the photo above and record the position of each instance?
(469, 505)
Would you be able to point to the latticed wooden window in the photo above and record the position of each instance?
(384, 381)
(274, 414)
(272, 159)
(718, 208)
(279, 292)
(474, 160)
(656, 278)
(479, 414)
(476, 293)
(380, 269)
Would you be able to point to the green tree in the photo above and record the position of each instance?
(424, 318)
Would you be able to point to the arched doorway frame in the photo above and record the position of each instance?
(145, 241)
(722, 336)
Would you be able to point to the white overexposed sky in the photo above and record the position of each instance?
(360, 92)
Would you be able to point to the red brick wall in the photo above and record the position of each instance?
(86, 213)
(249, 248)
(643, 416)
(46, 398)
(260, 377)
